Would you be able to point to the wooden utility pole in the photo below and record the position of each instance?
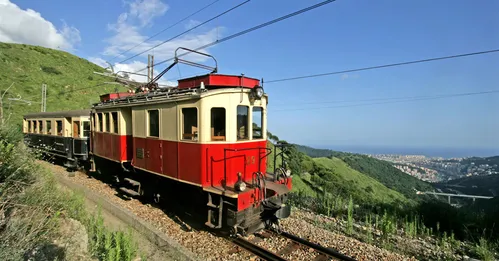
(44, 98)
(150, 67)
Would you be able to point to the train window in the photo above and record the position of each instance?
(153, 123)
(114, 116)
(257, 122)
(40, 125)
(99, 116)
(190, 124)
(86, 129)
(242, 122)
(35, 129)
(217, 124)
(29, 127)
(49, 127)
(59, 128)
(108, 122)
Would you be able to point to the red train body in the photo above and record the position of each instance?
(198, 138)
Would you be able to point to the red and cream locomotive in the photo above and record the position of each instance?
(202, 144)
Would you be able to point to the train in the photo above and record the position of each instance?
(201, 145)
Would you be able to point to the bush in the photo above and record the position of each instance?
(32, 208)
(50, 70)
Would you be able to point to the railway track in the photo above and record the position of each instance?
(294, 244)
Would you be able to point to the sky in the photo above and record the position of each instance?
(349, 109)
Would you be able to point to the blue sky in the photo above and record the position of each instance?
(346, 34)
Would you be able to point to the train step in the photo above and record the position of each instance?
(132, 182)
(129, 191)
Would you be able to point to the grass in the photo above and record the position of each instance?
(300, 184)
(32, 208)
(109, 245)
(364, 185)
(28, 67)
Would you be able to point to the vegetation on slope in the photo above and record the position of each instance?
(71, 83)
(380, 170)
(39, 221)
(329, 182)
(475, 185)
(363, 188)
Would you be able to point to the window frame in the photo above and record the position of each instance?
(246, 138)
(194, 137)
(262, 136)
(100, 122)
(213, 137)
(57, 128)
(86, 131)
(107, 122)
(115, 122)
(40, 126)
(48, 124)
(148, 122)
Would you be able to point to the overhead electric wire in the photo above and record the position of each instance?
(169, 27)
(250, 29)
(178, 35)
(407, 99)
(384, 66)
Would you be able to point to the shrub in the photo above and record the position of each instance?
(32, 206)
(50, 70)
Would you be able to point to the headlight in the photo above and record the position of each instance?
(259, 92)
(240, 186)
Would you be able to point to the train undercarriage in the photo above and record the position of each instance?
(197, 205)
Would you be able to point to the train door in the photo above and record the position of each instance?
(76, 129)
(154, 147)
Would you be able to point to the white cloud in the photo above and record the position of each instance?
(130, 67)
(146, 10)
(191, 23)
(127, 35)
(29, 27)
(99, 61)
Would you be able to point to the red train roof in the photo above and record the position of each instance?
(218, 80)
(113, 96)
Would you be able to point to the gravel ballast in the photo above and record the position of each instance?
(207, 246)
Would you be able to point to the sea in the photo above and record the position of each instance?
(429, 152)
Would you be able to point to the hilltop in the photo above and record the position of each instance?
(28, 67)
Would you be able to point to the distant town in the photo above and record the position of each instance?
(436, 169)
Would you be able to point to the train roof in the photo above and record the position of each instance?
(58, 114)
(218, 80)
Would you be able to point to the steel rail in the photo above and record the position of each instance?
(319, 248)
(257, 250)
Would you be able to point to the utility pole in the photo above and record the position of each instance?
(150, 67)
(44, 98)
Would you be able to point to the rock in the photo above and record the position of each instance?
(74, 239)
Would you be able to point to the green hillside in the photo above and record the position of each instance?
(28, 67)
(364, 187)
(317, 177)
(381, 170)
(475, 185)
